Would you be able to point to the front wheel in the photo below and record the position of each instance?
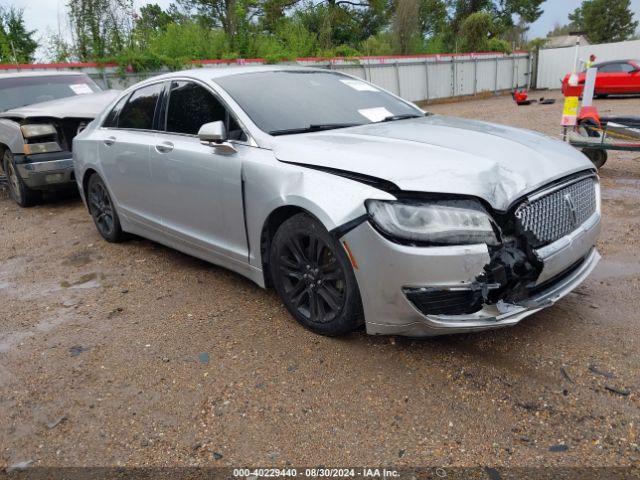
(314, 278)
(21, 194)
(103, 211)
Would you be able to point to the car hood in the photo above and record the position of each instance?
(78, 106)
(440, 154)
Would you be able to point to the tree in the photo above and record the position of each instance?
(100, 27)
(605, 20)
(16, 42)
(406, 24)
(432, 17)
(475, 32)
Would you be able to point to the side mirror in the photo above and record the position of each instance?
(214, 134)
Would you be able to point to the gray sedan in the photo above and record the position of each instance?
(358, 207)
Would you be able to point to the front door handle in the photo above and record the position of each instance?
(109, 141)
(164, 147)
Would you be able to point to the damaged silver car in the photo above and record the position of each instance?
(355, 205)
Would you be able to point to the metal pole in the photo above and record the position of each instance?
(426, 72)
(475, 76)
(398, 79)
(495, 90)
(453, 76)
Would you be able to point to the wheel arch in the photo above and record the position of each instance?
(269, 228)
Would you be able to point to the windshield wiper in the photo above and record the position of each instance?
(313, 128)
(393, 118)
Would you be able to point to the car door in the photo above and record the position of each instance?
(611, 78)
(198, 190)
(630, 83)
(126, 138)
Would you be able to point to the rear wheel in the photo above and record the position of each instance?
(21, 194)
(314, 278)
(103, 211)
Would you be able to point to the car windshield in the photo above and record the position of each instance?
(288, 102)
(20, 91)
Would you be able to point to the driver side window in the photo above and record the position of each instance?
(191, 106)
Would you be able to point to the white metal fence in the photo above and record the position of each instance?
(420, 78)
(555, 63)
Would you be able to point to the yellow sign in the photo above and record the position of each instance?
(570, 111)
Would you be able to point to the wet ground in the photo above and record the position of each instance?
(137, 355)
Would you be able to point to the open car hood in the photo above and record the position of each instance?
(78, 106)
(440, 154)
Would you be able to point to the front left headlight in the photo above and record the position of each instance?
(40, 138)
(434, 223)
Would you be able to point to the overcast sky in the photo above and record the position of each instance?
(44, 15)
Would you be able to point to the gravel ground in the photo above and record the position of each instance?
(137, 355)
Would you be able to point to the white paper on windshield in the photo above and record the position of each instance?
(375, 114)
(360, 86)
(80, 88)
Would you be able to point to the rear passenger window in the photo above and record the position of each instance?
(112, 119)
(138, 112)
(191, 106)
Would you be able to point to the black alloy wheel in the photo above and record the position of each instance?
(102, 210)
(314, 278)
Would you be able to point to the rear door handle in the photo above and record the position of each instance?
(109, 141)
(164, 147)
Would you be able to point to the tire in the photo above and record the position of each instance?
(601, 95)
(103, 210)
(313, 276)
(21, 194)
(597, 157)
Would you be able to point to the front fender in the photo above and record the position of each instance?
(332, 199)
(11, 136)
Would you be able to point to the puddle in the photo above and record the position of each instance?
(78, 259)
(88, 280)
(11, 340)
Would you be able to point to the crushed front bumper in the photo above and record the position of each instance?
(46, 171)
(386, 270)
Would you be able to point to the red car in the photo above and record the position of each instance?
(617, 77)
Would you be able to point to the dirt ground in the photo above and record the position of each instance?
(137, 355)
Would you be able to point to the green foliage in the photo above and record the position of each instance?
(475, 32)
(16, 42)
(605, 20)
(282, 30)
(498, 45)
(189, 40)
(378, 45)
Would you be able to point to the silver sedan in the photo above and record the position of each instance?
(355, 205)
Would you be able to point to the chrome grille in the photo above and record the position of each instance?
(558, 213)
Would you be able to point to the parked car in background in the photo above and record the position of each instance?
(613, 78)
(357, 206)
(40, 113)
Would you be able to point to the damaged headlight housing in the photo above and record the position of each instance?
(40, 138)
(434, 223)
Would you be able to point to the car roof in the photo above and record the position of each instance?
(610, 62)
(54, 73)
(211, 73)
